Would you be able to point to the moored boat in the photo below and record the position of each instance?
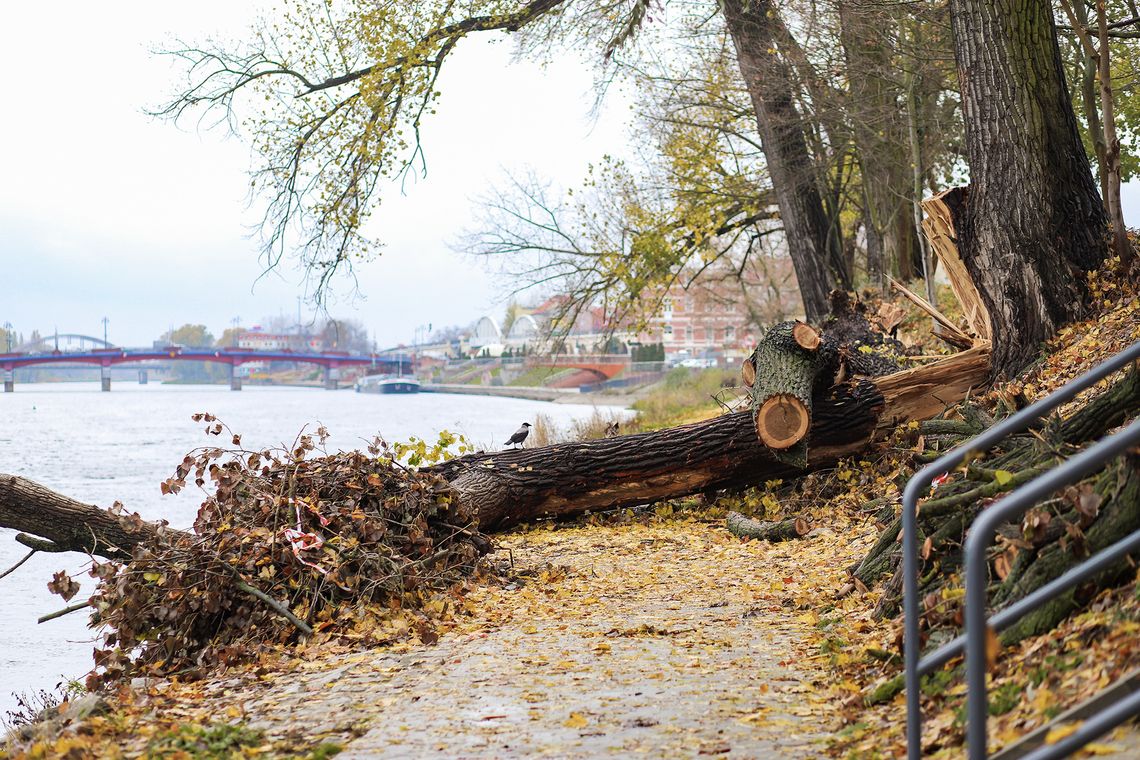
(388, 384)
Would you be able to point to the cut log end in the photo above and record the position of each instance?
(782, 421)
(748, 372)
(806, 336)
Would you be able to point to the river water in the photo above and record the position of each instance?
(101, 447)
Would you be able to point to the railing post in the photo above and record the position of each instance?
(9, 380)
(912, 646)
(977, 700)
(978, 540)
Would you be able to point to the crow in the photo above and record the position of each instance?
(520, 435)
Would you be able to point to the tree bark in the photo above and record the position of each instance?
(878, 130)
(1033, 222)
(813, 244)
(71, 525)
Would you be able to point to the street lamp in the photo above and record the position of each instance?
(8, 335)
(105, 322)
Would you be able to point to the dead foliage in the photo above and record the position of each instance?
(288, 540)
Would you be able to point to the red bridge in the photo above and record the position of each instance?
(105, 358)
(602, 366)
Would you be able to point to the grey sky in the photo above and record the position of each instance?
(107, 212)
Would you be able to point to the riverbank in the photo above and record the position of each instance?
(537, 393)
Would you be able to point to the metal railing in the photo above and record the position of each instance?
(981, 534)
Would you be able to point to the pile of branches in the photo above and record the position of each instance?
(290, 543)
(1052, 537)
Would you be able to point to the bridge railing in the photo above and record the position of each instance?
(979, 538)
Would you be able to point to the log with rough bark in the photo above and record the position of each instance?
(790, 368)
(68, 524)
(510, 487)
(765, 530)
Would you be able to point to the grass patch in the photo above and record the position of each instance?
(219, 741)
(685, 395)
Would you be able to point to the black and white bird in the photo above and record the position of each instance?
(519, 435)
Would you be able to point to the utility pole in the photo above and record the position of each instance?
(8, 335)
(105, 322)
(235, 322)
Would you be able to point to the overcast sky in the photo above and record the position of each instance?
(105, 211)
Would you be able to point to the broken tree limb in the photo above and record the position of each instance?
(71, 525)
(16, 566)
(943, 212)
(65, 611)
(275, 605)
(952, 333)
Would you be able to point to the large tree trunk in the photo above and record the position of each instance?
(1033, 222)
(878, 129)
(510, 487)
(813, 243)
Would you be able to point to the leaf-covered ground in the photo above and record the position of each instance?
(666, 636)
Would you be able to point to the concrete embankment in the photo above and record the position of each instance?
(534, 393)
(555, 395)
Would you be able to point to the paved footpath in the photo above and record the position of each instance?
(673, 640)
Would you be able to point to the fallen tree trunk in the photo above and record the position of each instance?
(68, 524)
(514, 486)
(510, 487)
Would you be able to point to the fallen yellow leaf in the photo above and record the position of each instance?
(1060, 732)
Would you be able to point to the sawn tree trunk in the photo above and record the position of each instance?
(506, 488)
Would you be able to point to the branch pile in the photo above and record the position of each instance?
(287, 544)
(1052, 537)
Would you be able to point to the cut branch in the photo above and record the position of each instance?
(780, 530)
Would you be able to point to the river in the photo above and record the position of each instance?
(101, 447)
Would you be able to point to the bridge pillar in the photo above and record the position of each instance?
(9, 381)
(143, 378)
(105, 376)
(332, 378)
(235, 378)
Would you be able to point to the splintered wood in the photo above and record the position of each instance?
(940, 212)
